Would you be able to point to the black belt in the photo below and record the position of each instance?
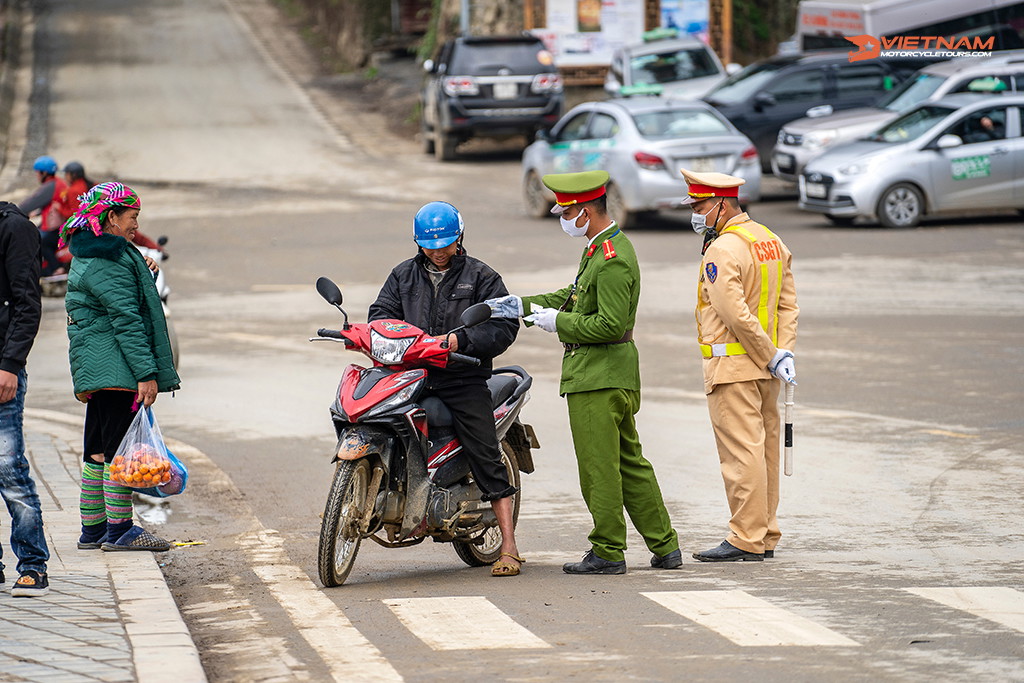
(627, 337)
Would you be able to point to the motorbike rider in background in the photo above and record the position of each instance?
(46, 201)
(431, 291)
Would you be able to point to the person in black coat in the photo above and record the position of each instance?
(20, 310)
(431, 291)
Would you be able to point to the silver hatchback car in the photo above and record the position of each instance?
(642, 142)
(956, 154)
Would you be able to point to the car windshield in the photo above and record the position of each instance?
(673, 65)
(912, 125)
(679, 123)
(912, 92)
(743, 84)
(486, 59)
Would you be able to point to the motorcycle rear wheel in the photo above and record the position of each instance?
(339, 530)
(488, 552)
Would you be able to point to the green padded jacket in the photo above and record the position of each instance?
(116, 323)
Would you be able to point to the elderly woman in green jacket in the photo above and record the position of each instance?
(120, 354)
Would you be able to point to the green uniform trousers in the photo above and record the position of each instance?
(614, 473)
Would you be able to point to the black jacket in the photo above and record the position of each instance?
(20, 307)
(408, 295)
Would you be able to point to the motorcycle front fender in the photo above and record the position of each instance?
(362, 441)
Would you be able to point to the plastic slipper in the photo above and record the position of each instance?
(137, 538)
(501, 568)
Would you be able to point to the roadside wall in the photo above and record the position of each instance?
(11, 19)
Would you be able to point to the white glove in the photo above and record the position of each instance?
(544, 318)
(781, 366)
(510, 306)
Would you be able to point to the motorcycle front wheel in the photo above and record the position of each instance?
(339, 530)
(488, 551)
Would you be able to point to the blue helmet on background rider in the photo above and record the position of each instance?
(45, 164)
(437, 225)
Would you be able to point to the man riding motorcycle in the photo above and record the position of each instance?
(431, 291)
(46, 200)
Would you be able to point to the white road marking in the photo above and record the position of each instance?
(746, 620)
(1000, 604)
(349, 655)
(462, 623)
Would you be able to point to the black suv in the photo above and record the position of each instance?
(492, 85)
(766, 95)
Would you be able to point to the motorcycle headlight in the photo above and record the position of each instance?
(398, 399)
(388, 351)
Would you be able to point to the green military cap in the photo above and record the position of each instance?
(575, 188)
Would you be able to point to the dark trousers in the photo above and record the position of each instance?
(48, 247)
(470, 404)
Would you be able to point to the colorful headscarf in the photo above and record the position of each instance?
(93, 208)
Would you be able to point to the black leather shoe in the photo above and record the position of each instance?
(768, 554)
(727, 552)
(592, 564)
(672, 560)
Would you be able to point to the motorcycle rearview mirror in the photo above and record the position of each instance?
(472, 316)
(331, 294)
(476, 314)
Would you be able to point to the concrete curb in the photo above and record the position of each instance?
(162, 647)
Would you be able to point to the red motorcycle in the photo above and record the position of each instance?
(400, 476)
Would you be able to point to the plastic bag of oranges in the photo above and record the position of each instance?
(143, 462)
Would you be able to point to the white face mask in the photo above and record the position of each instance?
(699, 221)
(570, 228)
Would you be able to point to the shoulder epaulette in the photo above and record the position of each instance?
(609, 250)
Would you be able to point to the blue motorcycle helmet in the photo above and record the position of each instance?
(437, 225)
(45, 164)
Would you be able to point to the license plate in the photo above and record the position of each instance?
(702, 165)
(506, 91)
(784, 162)
(816, 190)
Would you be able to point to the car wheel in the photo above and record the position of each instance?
(901, 206)
(535, 200)
(840, 221)
(617, 208)
(444, 145)
(427, 137)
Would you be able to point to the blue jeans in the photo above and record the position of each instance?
(17, 488)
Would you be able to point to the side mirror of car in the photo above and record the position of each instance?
(732, 68)
(428, 66)
(762, 100)
(948, 141)
(544, 135)
(818, 112)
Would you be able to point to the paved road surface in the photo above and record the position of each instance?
(902, 545)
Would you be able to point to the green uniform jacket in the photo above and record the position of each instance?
(601, 311)
(116, 323)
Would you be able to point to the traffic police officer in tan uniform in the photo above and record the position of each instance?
(594, 319)
(746, 327)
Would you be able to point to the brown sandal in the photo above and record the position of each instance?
(501, 568)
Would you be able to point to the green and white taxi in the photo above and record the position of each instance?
(642, 142)
(956, 154)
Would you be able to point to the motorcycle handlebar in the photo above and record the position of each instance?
(462, 358)
(330, 334)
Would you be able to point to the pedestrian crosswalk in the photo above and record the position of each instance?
(745, 619)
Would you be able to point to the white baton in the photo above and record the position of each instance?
(789, 429)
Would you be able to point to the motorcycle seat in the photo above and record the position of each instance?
(501, 387)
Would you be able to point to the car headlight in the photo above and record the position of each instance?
(388, 351)
(818, 139)
(853, 169)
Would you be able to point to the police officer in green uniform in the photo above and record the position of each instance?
(594, 319)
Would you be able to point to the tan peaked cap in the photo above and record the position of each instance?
(706, 185)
